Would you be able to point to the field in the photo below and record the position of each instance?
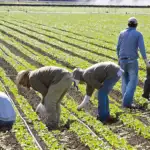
(69, 38)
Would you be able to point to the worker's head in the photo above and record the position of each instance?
(132, 22)
(23, 78)
(77, 74)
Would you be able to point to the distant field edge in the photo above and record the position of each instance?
(73, 5)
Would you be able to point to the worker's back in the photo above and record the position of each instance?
(7, 112)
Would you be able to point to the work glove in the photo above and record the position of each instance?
(147, 63)
(84, 102)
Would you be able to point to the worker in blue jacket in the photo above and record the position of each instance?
(130, 40)
(7, 113)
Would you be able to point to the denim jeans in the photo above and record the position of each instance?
(103, 101)
(129, 80)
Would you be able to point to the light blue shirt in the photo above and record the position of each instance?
(7, 112)
(129, 42)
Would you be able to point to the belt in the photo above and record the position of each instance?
(126, 58)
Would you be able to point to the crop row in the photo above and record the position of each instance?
(83, 62)
(92, 58)
(47, 61)
(21, 133)
(75, 127)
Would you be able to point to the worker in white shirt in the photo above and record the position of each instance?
(7, 113)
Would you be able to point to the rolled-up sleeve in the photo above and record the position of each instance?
(141, 46)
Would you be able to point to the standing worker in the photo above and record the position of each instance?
(52, 82)
(127, 50)
(102, 76)
(7, 113)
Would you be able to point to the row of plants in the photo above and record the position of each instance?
(142, 102)
(22, 135)
(90, 55)
(76, 127)
(47, 61)
(31, 116)
(95, 58)
(92, 100)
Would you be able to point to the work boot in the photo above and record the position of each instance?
(52, 126)
(132, 106)
(109, 120)
(145, 96)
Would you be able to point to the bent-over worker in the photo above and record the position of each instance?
(102, 76)
(52, 82)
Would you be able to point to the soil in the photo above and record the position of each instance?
(8, 141)
(118, 127)
(66, 137)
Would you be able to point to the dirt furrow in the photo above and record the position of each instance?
(140, 83)
(93, 109)
(66, 137)
(117, 128)
(17, 52)
(8, 141)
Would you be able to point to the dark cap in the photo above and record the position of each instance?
(132, 20)
(77, 73)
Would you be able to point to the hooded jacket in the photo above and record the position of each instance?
(95, 75)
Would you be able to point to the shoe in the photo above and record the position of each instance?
(145, 96)
(52, 127)
(109, 120)
(132, 106)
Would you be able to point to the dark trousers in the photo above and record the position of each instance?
(6, 125)
(146, 90)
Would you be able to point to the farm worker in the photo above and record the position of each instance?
(146, 91)
(127, 50)
(102, 76)
(7, 113)
(52, 82)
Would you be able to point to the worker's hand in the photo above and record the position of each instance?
(79, 107)
(147, 63)
(84, 102)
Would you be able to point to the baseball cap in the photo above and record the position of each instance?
(77, 72)
(132, 20)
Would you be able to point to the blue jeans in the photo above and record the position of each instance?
(103, 101)
(129, 80)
